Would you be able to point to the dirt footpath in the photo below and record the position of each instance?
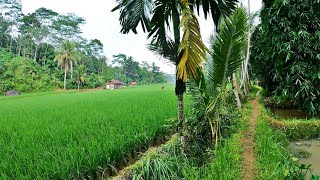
(248, 163)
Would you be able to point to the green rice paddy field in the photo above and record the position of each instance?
(70, 135)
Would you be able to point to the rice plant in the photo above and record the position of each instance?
(74, 135)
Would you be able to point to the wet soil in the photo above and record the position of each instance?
(312, 150)
(289, 113)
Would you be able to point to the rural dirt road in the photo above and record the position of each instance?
(248, 162)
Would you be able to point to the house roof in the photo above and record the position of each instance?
(114, 82)
(133, 83)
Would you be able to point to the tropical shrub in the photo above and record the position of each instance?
(285, 53)
(215, 89)
(22, 75)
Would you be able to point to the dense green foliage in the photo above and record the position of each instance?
(70, 135)
(285, 52)
(25, 76)
(37, 38)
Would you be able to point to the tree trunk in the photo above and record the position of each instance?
(65, 78)
(71, 68)
(236, 85)
(180, 112)
(245, 77)
(35, 54)
(45, 54)
(235, 90)
(10, 47)
(238, 102)
(180, 85)
(19, 50)
(179, 90)
(78, 86)
(24, 52)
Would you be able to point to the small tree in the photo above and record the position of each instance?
(66, 58)
(81, 75)
(227, 49)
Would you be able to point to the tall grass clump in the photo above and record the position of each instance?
(199, 158)
(271, 156)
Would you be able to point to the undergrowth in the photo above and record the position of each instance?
(198, 159)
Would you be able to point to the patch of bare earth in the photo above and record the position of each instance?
(248, 166)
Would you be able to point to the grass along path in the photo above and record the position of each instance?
(248, 163)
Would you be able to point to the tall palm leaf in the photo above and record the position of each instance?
(133, 13)
(66, 58)
(227, 57)
(192, 47)
(216, 8)
(227, 49)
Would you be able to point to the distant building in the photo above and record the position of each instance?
(12, 93)
(133, 83)
(114, 84)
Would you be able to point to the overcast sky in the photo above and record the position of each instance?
(103, 25)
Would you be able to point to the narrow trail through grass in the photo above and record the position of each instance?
(248, 163)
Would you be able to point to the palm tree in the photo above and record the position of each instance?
(80, 75)
(66, 58)
(245, 73)
(159, 18)
(227, 52)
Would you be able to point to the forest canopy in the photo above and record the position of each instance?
(30, 44)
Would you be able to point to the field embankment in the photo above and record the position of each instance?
(73, 135)
(274, 160)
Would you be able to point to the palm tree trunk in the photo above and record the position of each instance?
(65, 78)
(180, 85)
(71, 68)
(78, 86)
(180, 112)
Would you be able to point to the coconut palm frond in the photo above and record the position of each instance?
(167, 52)
(133, 13)
(217, 8)
(227, 48)
(160, 25)
(192, 47)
